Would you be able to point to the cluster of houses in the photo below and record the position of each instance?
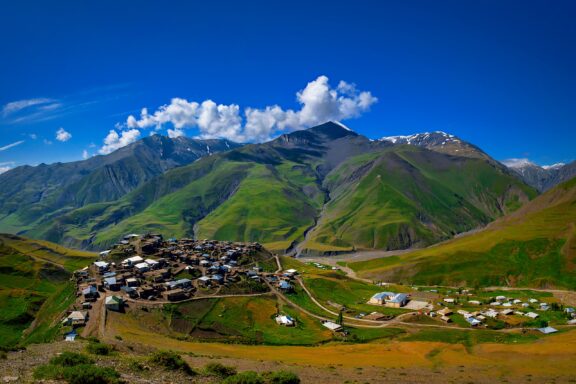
(390, 299)
(172, 270)
(499, 308)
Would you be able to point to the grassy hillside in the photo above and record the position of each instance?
(405, 196)
(343, 190)
(34, 285)
(535, 246)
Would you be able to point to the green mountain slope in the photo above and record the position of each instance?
(342, 189)
(35, 287)
(535, 246)
(29, 194)
(405, 196)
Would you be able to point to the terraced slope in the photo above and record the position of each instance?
(35, 287)
(535, 247)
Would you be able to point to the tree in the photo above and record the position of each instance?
(340, 317)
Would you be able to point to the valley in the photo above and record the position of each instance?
(321, 252)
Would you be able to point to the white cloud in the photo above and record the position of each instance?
(174, 133)
(16, 106)
(114, 141)
(12, 145)
(85, 154)
(33, 136)
(47, 142)
(6, 166)
(319, 103)
(62, 135)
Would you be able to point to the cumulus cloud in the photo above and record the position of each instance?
(319, 102)
(62, 135)
(12, 145)
(85, 154)
(115, 140)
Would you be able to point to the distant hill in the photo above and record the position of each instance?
(31, 193)
(35, 287)
(532, 247)
(327, 185)
(543, 178)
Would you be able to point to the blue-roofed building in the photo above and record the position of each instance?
(381, 297)
(111, 284)
(285, 286)
(90, 292)
(473, 322)
(390, 299)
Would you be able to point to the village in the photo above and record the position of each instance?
(150, 271)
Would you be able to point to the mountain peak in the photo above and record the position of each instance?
(333, 129)
(419, 138)
(518, 163)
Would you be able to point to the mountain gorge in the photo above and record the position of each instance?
(322, 190)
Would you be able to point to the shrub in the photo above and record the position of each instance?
(172, 361)
(247, 377)
(220, 370)
(282, 377)
(98, 348)
(91, 374)
(78, 374)
(3, 355)
(70, 359)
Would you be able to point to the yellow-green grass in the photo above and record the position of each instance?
(492, 357)
(534, 247)
(330, 287)
(34, 285)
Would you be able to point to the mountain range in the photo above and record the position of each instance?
(321, 190)
(543, 178)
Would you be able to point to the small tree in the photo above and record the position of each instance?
(340, 320)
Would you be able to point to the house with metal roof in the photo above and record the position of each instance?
(114, 303)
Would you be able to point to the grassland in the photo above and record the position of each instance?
(35, 287)
(533, 247)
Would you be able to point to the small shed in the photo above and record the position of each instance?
(285, 320)
(332, 326)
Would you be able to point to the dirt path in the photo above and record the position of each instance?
(278, 263)
(93, 325)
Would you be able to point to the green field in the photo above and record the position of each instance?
(248, 320)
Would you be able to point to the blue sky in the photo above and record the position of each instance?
(499, 74)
